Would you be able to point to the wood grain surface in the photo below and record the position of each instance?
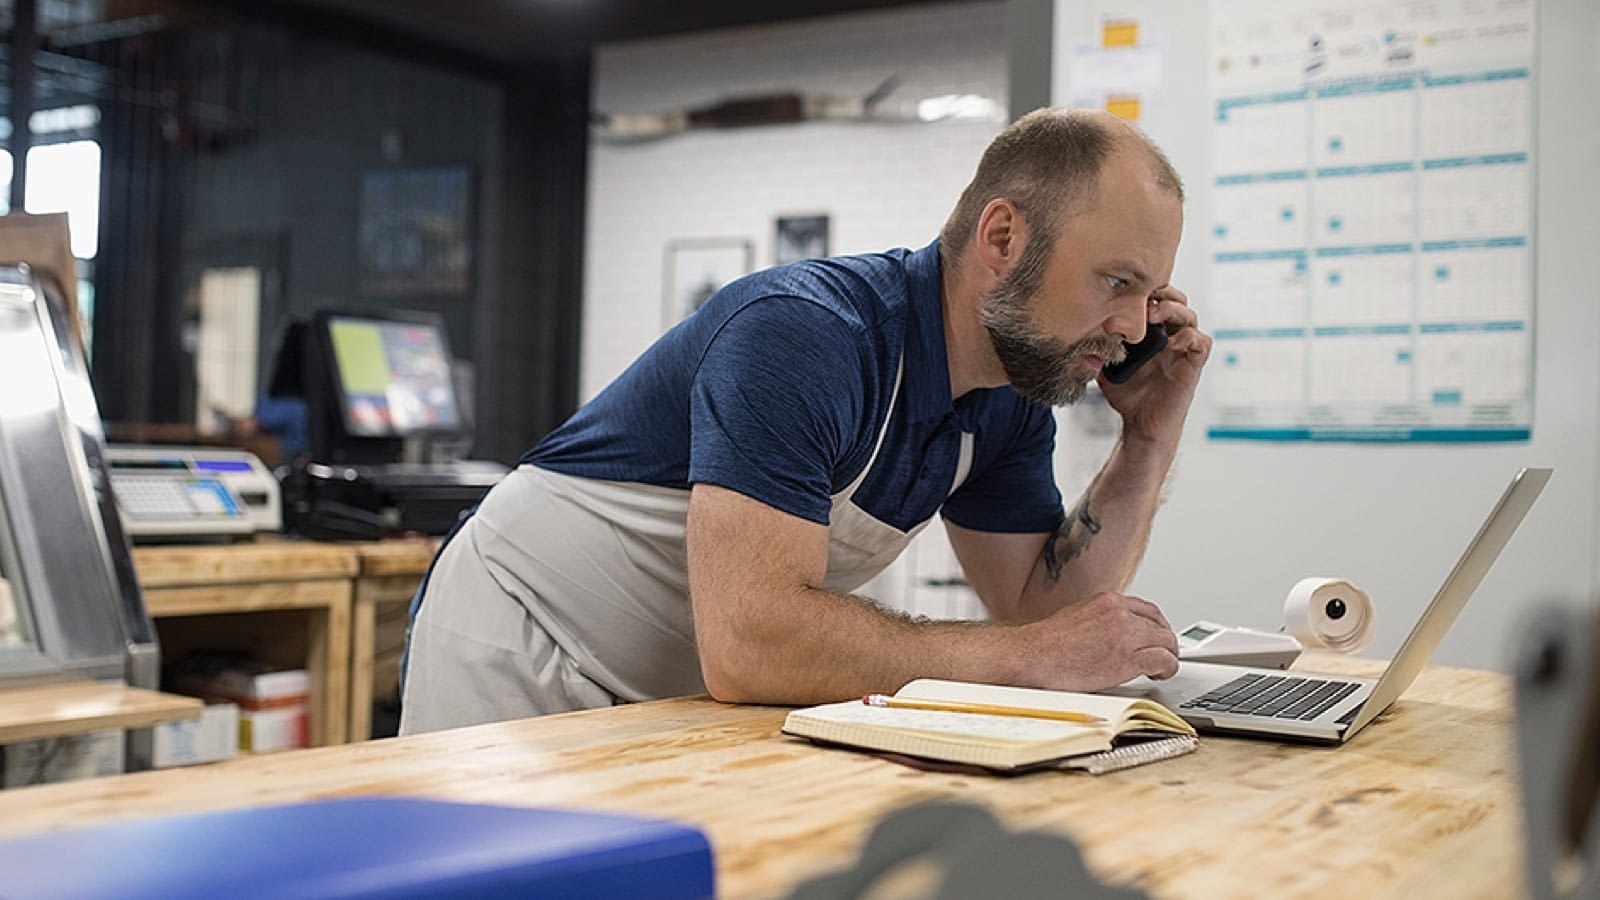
(1421, 804)
(79, 707)
(181, 566)
(396, 556)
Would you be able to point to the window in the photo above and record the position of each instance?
(62, 178)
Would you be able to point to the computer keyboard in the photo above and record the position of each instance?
(1274, 696)
(173, 498)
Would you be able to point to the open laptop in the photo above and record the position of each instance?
(1301, 706)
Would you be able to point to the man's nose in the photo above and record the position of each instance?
(1129, 319)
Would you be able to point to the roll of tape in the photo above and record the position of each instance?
(1330, 613)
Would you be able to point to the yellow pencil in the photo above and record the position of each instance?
(988, 709)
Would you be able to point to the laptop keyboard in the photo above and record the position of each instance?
(1274, 697)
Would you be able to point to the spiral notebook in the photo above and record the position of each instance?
(1131, 755)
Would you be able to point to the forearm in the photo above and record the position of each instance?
(814, 646)
(1099, 544)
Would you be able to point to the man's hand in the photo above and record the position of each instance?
(1103, 641)
(1154, 403)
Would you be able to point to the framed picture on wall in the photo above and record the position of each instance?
(696, 268)
(800, 237)
(415, 233)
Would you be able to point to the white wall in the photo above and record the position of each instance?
(883, 185)
(1245, 521)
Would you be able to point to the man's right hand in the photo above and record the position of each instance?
(1099, 642)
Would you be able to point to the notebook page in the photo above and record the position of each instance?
(1109, 708)
(1010, 729)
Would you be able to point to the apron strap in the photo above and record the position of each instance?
(883, 432)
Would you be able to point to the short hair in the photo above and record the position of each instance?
(1048, 163)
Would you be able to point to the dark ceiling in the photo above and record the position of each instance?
(517, 31)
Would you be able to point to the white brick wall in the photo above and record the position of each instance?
(882, 185)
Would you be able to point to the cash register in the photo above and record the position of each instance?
(382, 405)
(193, 493)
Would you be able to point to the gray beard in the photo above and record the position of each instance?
(1039, 367)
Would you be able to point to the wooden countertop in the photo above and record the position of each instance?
(272, 559)
(206, 565)
(396, 556)
(59, 709)
(1421, 804)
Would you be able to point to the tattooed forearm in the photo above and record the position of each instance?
(1070, 539)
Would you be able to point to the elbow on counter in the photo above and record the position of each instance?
(728, 679)
(746, 670)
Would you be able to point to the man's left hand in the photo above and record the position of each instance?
(1154, 403)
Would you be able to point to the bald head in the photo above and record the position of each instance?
(1048, 163)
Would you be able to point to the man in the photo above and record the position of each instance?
(699, 524)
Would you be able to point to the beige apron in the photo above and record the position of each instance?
(566, 593)
(859, 545)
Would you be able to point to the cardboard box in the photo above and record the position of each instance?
(249, 684)
(212, 737)
(273, 704)
(44, 241)
(269, 730)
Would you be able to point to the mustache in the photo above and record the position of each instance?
(1109, 349)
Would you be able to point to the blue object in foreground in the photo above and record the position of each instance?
(364, 847)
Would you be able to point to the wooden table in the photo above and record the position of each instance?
(190, 588)
(388, 575)
(1421, 804)
(65, 708)
(356, 595)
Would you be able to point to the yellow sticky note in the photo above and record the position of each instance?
(1119, 33)
(1124, 106)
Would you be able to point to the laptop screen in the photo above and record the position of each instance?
(1463, 580)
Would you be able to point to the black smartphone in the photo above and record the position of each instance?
(1155, 341)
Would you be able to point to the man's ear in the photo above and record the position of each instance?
(1001, 236)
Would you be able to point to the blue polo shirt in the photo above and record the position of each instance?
(778, 386)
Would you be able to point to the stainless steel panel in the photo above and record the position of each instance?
(76, 583)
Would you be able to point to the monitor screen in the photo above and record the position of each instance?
(393, 376)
